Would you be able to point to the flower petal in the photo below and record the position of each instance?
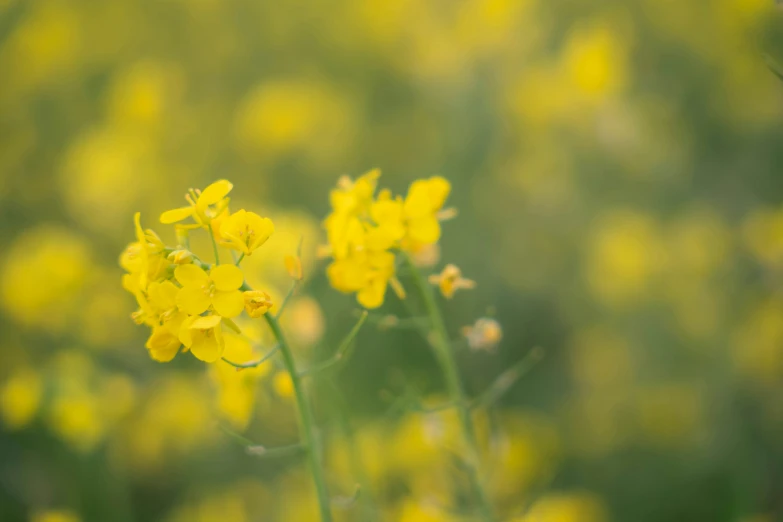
(228, 304)
(191, 275)
(162, 344)
(207, 346)
(193, 300)
(175, 215)
(226, 277)
(205, 322)
(215, 192)
(259, 229)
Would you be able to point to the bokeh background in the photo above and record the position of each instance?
(617, 168)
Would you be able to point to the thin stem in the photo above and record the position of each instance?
(306, 422)
(253, 364)
(241, 257)
(343, 351)
(448, 364)
(287, 299)
(507, 379)
(214, 245)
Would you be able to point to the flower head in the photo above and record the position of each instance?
(203, 336)
(450, 280)
(245, 231)
(257, 303)
(204, 205)
(219, 290)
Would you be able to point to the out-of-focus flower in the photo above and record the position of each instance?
(245, 231)
(304, 320)
(293, 265)
(625, 253)
(237, 389)
(20, 398)
(484, 334)
(55, 516)
(450, 280)
(283, 385)
(42, 277)
(567, 507)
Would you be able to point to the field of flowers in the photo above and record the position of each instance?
(436, 261)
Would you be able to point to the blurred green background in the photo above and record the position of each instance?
(617, 169)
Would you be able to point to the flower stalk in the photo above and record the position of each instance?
(448, 364)
(310, 440)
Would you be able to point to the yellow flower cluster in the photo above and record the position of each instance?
(185, 301)
(365, 231)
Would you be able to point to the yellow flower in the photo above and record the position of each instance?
(257, 303)
(450, 280)
(218, 289)
(423, 204)
(55, 516)
(20, 397)
(163, 343)
(203, 337)
(245, 231)
(180, 257)
(283, 385)
(143, 259)
(203, 206)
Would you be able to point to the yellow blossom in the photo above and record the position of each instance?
(293, 265)
(245, 231)
(218, 289)
(257, 303)
(422, 206)
(163, 343)
(450, 280)
(55, 516)
(20, 397)
(203, 206)
(283, 385)
(203, 337)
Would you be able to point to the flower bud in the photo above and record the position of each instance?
(257, 303)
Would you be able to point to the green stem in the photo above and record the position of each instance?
(214, 245)
(241, 257)
(306, 422)
(448, 363)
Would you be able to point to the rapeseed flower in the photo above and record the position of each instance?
(218, 289)
(245, 231)
(203, 206)
(182, 299)
(365, 232)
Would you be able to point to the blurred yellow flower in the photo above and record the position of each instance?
(567, 507)
(484, 334)
(55, 516)
(20, 398)
(245, 231)
(283, 385)
(42, 277)
(625, 252)
(450, 280)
